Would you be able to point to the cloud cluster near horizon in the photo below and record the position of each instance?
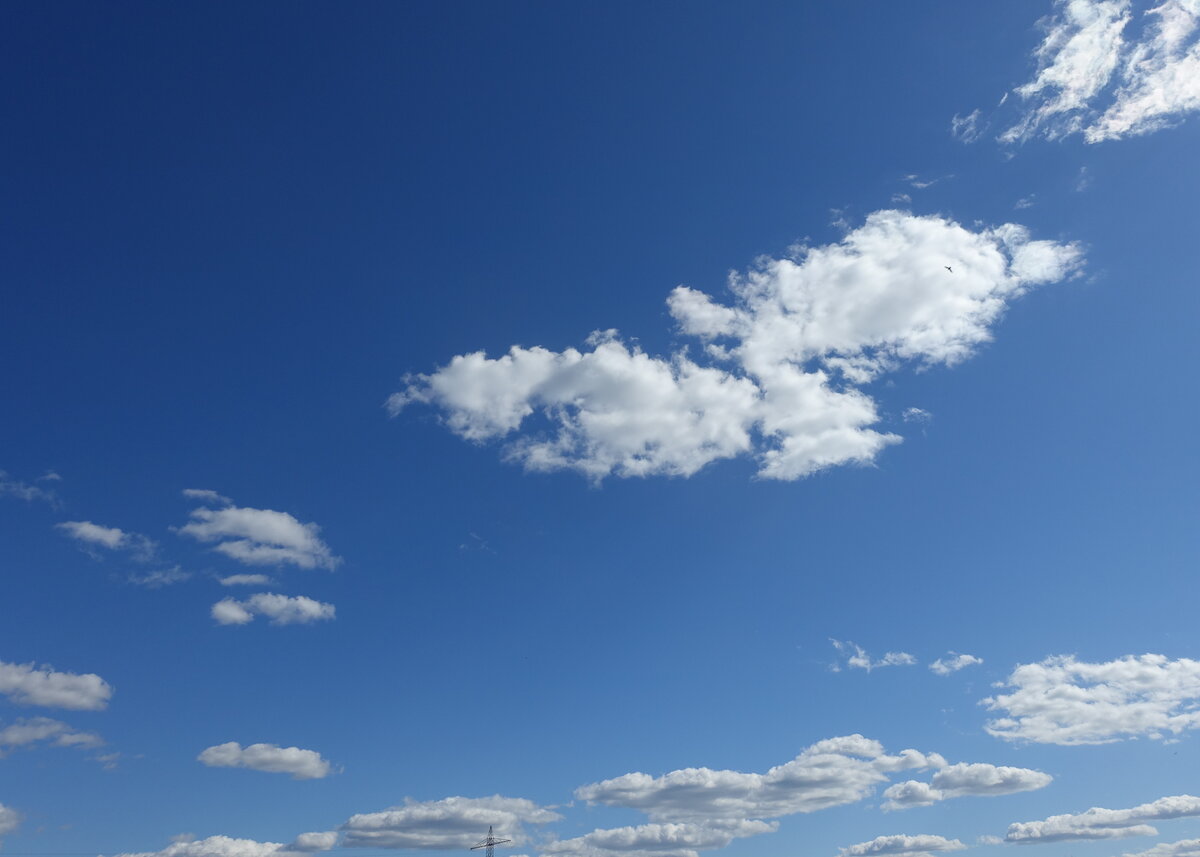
(783, 366)
(1094, 79)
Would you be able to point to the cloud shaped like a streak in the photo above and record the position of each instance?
(280, 609)
(963, 780)
(27, 684)
(1182, 848)
(450, 824)
(92, 535)
(301, 764)
(902, 844)
(44, 730)
(1094, 79)
(829, 773)
(10, 820)
(1062, 700)
(783, 362)
(1101, 823)
(226, 846)
(259, 536)
(856, 657)
(659, 839)
(953, 662)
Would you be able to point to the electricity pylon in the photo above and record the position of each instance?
(490, 844)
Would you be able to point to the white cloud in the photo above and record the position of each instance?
(784, 360)
(110, 538)
(225, 846)
(829, 773)
(1094, 80)
(280, 609)
(1065, 701)
(953, 662)
(23, 490)
(917, 415)
(1182, 848)
(205, 495)
(857, 658)
(10, 820)
(450, 824)
(246, 580)
(27, 684)
(44, 731)
(966, 128)
(659, 839)
(901, 844)
(962, 780)
(261, 537)
(161, 578)
(301, 764)
(1100, 823)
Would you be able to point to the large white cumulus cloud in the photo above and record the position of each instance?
(782, 367)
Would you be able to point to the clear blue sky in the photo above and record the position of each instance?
(273, 561)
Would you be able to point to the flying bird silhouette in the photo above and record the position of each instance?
(948, 268)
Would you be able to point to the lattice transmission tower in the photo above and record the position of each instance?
(490, 844)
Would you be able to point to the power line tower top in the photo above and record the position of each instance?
(490, 843)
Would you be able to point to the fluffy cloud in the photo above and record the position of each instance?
(1100, 823)
(91, 535)
(1183, 848)
(10, 819)
(280, 609)
(27, 684)
(450, 824)
(659, 840)
(856, 657)
(225, 846)
(900, 844)
(259, 536)
(301, 764)
(962, 780)
(1064, 701)
(782, 363)
(953, 662)
(1093, 80)
(829, 773)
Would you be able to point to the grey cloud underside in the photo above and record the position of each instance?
(450, 824)
(902, 844)
(227, 846)
(779, 371)
(1109, 70)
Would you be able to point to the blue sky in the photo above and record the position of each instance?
(652, 430)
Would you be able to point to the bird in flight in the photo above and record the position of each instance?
(948, 268)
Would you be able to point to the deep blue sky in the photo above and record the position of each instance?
(229, 231)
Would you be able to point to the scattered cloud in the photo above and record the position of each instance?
(10, 820)
(10, 487)
(301, 764)
(829, 773)
(782, 363)
(917, 415)
(988, 839)
(962, 780)
(91, 536)
(280, 609)
(1096, 79)
(1026, 202)
(659, 839)
(1100, 823)
(161, 578)
(854, 656)
(225, 846)
(246, 580)
(911, 846)
(1182, 848)
(205, 495)
(966, 128)
(34, 731)
(260, 537)
(26, 684)
(450, 824)
(953, 662)
(1065, 701)
(901, 199)
(1083, 181)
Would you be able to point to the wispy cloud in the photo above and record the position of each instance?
(953, 662)
(854, 656)
(280, 609)
(260, 536)
(10, 487)
(91, 536)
